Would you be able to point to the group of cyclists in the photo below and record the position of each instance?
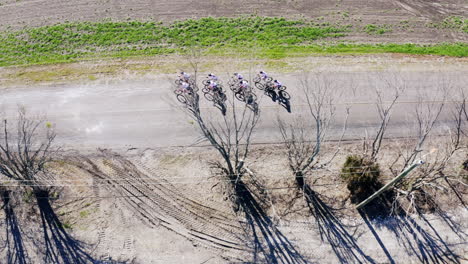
(213, 90)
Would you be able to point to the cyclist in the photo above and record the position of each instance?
(277, 84)
(212, 77)
(185, 87)
(212, 85)
(184, 76)
(263, 75)
(239, 76)
(244, 85)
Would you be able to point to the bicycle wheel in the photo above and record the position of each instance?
(260, 86)
(234, 87)
(269, 79)
(209, 97)
(205, 90)
(232, 82)
(256, 79)
(182, 98)
(206, 82)
(178, 81)
(285, 95)
(240, 96)
(282, 88)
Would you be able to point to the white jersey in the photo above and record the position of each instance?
(185, 76)
(213, 84)
(185, 85)
(244, 84)
(213, 77)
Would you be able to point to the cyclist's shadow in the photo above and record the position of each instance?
(286, 103)
(282, 97)
(267, 239)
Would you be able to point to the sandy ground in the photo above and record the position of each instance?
(162, 206)
(408, 19)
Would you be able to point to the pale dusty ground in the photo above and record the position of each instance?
(177, 214)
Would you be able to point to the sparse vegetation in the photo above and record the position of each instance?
(70, 41)
(271, 37)
(457, 23)
(372, 29)
(84, 214)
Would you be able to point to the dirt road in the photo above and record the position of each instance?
(142, 112)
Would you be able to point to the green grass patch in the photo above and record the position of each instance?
(457, 23)
(84, 214)
(372, 29)
(443, 49)
(267, 37)
(72, 41)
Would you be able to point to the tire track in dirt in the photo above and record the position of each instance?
(162, 204)
(102, 247)
(430, 9)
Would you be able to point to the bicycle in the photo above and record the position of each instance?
(218, 98)
(186, 96)
(259, 79)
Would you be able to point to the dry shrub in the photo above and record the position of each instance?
(362, 177)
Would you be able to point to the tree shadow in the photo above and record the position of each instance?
(59, 246)
(14, 244)
(331, 229)
(419, 238)
(267, 239)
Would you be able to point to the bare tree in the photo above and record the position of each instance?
(396, 85)
(418, 189)
(304, 137)
(229, 134)
(26, 149)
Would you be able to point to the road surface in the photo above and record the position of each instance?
(122, 114)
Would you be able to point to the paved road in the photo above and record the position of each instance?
(140, 113)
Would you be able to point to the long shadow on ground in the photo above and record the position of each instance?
(420, 240)
(59, 246)
(14, 244)
(331, 229)
(267, 239)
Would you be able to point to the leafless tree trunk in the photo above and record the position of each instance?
(304, 144)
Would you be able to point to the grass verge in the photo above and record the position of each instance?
(267, 37)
